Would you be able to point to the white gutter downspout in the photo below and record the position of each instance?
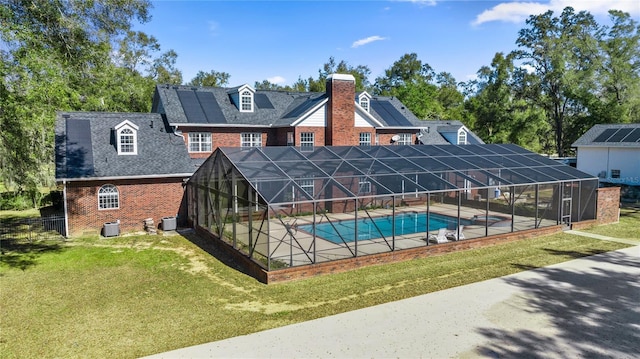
(66, 217)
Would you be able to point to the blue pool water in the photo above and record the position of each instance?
(405, 223)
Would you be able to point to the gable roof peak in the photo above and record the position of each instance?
(241, 88)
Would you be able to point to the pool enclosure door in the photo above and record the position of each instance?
(566, 205)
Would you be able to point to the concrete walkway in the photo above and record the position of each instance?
(603, 238)
(587, 307)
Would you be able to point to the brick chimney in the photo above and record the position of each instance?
(341, 91)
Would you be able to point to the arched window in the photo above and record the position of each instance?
(462, 137)
(364, 103)
(246, 101)
(108, 197)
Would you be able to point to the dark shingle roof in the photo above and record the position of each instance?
(610, 135)
(282, 103)
(283, 109)
(86, 147)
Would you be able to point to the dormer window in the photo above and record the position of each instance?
(246, 101)
(364, 100)
(462, 137)
(364, 103)
(127, 138)
(242, 97)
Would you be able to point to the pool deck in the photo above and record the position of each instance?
(307, 251)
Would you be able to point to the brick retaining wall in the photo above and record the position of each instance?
(343, 265)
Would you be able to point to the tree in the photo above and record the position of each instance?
(562, 51)
(164, 69)
(212, 78)
(360, 73)
(500, 111)
(58, 57)
(407, 70)
(267, 85)
(427, 95)
(450, 98)
(620, 72)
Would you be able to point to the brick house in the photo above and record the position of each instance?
(126, 167)
(118, 168)
(243, 117)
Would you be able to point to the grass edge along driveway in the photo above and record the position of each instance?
(134, 296)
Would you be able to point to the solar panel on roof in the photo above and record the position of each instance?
(619, 135)
(605, 135)
(390, 114)
(191, 107)
(633, 136)
(210, 107)
(79, 149)
(262, 101)
(303, 107)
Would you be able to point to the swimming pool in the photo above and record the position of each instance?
(405, 223)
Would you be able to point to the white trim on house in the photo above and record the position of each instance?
(213, 125)
(115, 178)
(316, 118)
(123, 126)
(311, 112)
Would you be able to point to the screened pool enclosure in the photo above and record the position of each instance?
(283, 207)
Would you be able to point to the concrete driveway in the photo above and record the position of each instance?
(588, 307)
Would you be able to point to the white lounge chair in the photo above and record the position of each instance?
(441, 237)
(456, 235)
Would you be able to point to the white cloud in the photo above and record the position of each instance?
(367, 40)
(276, 80)
(517, 12)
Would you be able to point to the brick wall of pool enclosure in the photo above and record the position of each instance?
(287, 214)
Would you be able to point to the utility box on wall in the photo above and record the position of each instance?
(169, 223)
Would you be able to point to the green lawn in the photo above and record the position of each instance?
(133, 296)
(629, 226)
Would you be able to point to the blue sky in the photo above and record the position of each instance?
(282, 40)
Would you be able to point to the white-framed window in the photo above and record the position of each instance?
(364, 99)
(307, 185)
(462, 137)
(199, 142)
(108, 197)
(251, 139)
(307, 141)
(405, 139)
(365, 139)
(364, 103)
(127, 138)
(364, 186)
(290, 139)
(377, 139)
(246, 101)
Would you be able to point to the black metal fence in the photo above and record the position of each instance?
(31, 229)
